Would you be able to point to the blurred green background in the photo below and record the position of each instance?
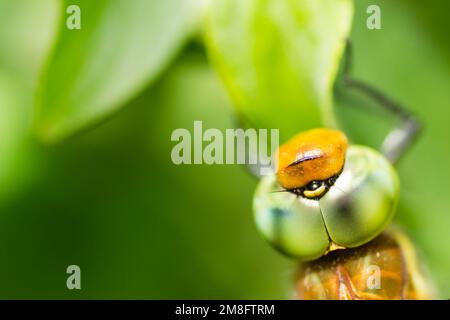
(84, 183)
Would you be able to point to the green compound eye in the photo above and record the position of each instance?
(357, 207)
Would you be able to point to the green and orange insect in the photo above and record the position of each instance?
(325, 195)
(328, 205)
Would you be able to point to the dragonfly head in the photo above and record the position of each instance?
(325, 195)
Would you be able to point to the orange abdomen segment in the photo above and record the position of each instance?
(385, 268)
(316, 154)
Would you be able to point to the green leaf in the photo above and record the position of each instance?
(14, 151)
(121, 46)
(27, 29)
(279, 59)
(26, 33)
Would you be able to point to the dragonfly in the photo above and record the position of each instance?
(329, 205)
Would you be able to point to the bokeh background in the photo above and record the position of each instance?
(109, 199)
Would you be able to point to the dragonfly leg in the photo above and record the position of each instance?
(401, 137)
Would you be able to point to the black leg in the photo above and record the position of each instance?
(400, 138)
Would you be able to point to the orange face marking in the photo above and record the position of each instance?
(314, 155)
